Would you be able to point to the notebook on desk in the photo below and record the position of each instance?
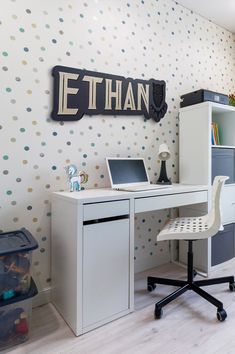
(130, 174)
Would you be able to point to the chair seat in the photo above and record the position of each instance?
(186, 228)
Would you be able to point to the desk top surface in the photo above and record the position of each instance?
(106, 194)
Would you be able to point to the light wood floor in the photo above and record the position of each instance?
(189, 325)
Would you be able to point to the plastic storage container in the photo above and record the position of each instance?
(15, 261)
(15, 315)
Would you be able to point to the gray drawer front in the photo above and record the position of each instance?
(223, 245)
(223, 163)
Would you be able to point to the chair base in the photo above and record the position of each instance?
(190, 284)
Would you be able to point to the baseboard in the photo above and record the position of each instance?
(43, 297)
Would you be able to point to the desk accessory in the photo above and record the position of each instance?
(163, 155)
(75, 177)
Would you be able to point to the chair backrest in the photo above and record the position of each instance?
(214, 216)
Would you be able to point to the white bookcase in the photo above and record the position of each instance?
(195, 166)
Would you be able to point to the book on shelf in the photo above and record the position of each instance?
(215, 139)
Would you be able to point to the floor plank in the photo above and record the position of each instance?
(189, 324)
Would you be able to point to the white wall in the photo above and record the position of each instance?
(138, 39)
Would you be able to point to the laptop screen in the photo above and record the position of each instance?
(127, 171)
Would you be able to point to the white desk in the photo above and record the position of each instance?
(93, 249)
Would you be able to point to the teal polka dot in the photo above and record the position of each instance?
(21, 29)
(9, 192)
(5, 157)
(22, 130)
(26, 148)
(8, 89)
(5, 54)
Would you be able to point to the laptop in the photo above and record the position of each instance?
(130, 174)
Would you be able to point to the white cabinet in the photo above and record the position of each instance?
(197, 159)
(90, 261)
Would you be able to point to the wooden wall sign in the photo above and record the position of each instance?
(78, 92)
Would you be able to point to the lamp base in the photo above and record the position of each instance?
(164, 183)
(163, 179)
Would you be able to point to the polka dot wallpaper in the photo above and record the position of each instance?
(137, 38)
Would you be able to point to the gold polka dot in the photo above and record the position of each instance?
(29, 92)
(97, 167)
(24, 162)
(34, 122)
(30, 190)
(13, 140)
(67, 161)
(37, 177)
(24, 62)
(35, 219)
(39, 229)
(12, 38)
(34, 25)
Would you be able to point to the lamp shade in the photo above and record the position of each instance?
(163, 152)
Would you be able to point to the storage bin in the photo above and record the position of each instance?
(223, 163)
(15, 315)
(222, 245)
(15, 262)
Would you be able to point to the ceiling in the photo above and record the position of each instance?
(221, 12)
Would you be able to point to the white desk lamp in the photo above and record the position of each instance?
(163, 155)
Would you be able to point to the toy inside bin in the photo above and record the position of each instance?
(15, 262)
(15, 317)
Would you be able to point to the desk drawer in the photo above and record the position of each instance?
(105, 209)
(169, 201)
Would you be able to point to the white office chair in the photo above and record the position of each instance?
(192, 229)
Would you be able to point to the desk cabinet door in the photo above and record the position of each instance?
(105, 270)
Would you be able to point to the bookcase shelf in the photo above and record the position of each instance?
(199, 162)
(223, 146)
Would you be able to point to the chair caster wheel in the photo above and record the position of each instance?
(151, 287)
(232, 286)
(158, 313)
(221, 315)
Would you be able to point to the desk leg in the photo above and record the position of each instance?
(132, 245)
